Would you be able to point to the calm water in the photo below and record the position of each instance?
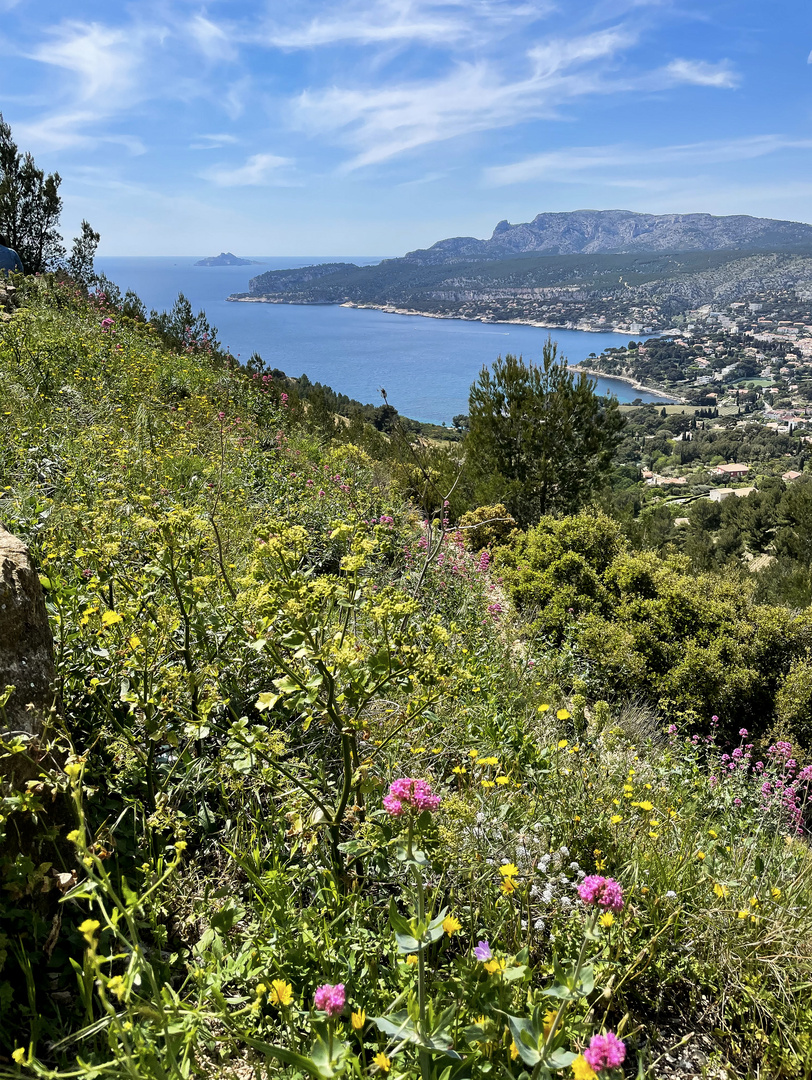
(425, 365)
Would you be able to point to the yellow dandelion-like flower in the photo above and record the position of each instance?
(281, 993)
(742, 914)
(110, 618)
(382, 1061)
(473, 753)
(451, 925)
(562, 743)
(543, 708)
(502, 780)
(700, 855)
(508, 869)
(563, 714)
(582, 1070)
(358, 1019)
(508, 886)
(459, 770)
(411, 959)
(713, 834)
(776, 894)
(607, 920)
(615, 818)
(721, 891)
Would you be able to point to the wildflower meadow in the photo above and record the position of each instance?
(317, 800)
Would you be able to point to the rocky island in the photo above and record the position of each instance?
(226, 258)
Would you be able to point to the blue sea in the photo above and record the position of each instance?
(425, 365)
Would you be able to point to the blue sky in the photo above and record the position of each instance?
(317, 127)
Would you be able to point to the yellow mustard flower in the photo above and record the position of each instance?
(18, 1055)
(88, 928)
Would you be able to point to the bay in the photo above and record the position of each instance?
(426, 365)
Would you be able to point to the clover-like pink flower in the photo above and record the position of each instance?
(330, 999)
(601, 891)
(605, 1051)
(408, 794)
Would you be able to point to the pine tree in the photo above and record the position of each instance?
(539, 436)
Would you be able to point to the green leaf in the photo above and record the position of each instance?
(526, 1039)
(560, 1059)
(267, 701)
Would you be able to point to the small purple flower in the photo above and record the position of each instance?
(743, 732)
(330, 999)
(605, 1051)
(483, 951)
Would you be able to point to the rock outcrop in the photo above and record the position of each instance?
(26, 655)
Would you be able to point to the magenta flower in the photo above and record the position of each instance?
(483, 952)
(330, 999)
(605, 1051)
(743, 732)
(601, 891)
(408, 794)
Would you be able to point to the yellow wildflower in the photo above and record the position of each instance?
(562, 743)
(606, 920)
(473, 753)
(700, 855)
(382, 1061)
(459, 770)
(502, 780)
(487, 783)
(582, 1070)
(281, 993)
(358, 1019)
(562, 714)
(508, 869)
(495, 967)
(742, 914)
(18, 1056)
(721, 891)
(411, 959)
(543, 708)
(88, 928)
(514, 1051)
(508, 886)
(451, 925)
(776, 894)
(615, 818)
(110, 618)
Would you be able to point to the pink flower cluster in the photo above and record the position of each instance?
(408, 794)
(330, 999)
(602, 891)
(605, 1052)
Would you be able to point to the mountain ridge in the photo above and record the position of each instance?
(590, 232)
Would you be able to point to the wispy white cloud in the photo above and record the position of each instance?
(573, 162)
(211, 39)
(258, 171)
(104, 60)
(386, 22)
(380, 123)
(701, 73)
(213, 142)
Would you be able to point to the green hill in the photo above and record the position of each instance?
(329, 795)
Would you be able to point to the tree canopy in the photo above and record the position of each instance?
(539, 436)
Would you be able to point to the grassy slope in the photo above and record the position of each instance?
(237, 608)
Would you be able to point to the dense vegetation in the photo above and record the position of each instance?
(337, 796)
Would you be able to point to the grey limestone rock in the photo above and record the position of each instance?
(26, 650)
